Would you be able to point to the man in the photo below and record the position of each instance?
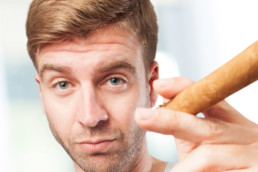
(97, 76)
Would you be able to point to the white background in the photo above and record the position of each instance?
(196, 36)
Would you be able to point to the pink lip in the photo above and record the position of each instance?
(97, 146)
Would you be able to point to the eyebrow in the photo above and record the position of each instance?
(50, 67)
(67, 70)
(119, 65)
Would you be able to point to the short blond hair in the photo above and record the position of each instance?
(53, 21)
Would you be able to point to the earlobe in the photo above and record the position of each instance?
(153, 75)
(37, 78)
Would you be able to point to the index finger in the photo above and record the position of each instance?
(169, 88)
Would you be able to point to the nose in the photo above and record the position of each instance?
(90, 109)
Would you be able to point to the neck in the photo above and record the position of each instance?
(144, 161)
(150, 164)
(147, 163)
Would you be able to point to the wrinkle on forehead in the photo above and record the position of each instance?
(100, 36)
(108, 42)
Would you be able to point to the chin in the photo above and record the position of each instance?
(100, 162)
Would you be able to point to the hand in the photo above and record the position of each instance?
(222, 141)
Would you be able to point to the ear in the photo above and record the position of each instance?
(40, 93)
(153, 75)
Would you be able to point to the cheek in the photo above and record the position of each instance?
(121, 108)
(60, 112)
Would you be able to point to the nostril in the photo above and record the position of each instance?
(93, 120)
(102, 123)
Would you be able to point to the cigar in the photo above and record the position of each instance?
(236, 74)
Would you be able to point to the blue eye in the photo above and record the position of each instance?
(63, 85)
(115, 81)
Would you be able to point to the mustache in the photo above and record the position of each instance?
(100, 130)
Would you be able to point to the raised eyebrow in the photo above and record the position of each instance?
(50, 67)
(118, 65)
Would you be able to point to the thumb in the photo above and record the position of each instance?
(181, 125)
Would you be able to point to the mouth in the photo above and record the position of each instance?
(97, 146)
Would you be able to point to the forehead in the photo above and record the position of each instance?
(102, 46)
(106, 35)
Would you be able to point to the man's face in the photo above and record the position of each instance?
(90, 89)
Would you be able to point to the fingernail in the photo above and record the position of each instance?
(145, 114)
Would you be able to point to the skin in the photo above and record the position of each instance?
(90, 89)
(222, 141)
(93, 118)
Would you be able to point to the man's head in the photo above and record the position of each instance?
(95, 67)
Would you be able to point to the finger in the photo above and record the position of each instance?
(243, 170)
(227, 113)
(166, 121)
(193, 129)
(169, 88)
(217, 158)
(255, 169)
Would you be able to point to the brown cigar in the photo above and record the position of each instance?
(226, 80)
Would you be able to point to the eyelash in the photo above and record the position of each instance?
(107, 83)
(122, 82)
(56, 84)
(120, 79)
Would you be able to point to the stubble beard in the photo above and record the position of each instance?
(123, 160)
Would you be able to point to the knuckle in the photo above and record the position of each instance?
(172, 120)
(215, 129)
